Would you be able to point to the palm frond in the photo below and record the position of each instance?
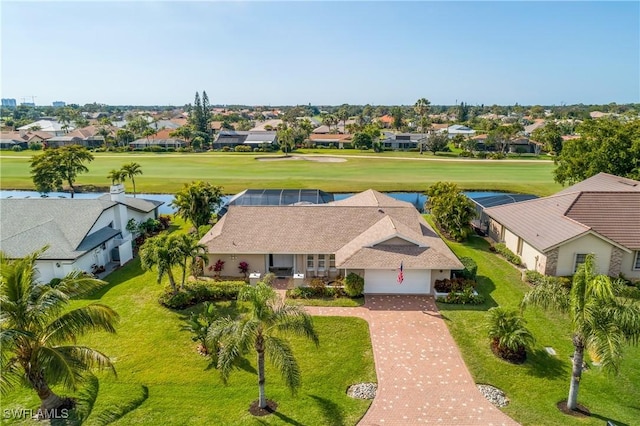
(75, 323)
(78, 284)
(57, 366)
(281, 356)
(294, 319)
(549, 295)
(87, 359)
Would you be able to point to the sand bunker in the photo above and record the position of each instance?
(320, 159)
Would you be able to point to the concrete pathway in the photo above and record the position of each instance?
(422, 378)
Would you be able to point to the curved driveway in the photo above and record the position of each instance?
(422, 378)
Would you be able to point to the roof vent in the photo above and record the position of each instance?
(380, 211)
(627, 183)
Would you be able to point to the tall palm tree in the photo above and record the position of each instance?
(131, 170)
(601, 321)
(190, 250)
(263, 329)
(508, 334)
(422, 107)
(161, 252)
(38, 331)
(196, 202)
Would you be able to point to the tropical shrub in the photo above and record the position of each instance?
(457, 284)
(217, 267)
(198, 324)
(244, 268)
(470, 268)
(533, 277)
(315, 292)
(451, 210)
(201, 291)
(35, 146)
(502, 249)
(464, 297)
(354, 285)
(16, 148)
(269, 278)
(509, 336)
(242, 148)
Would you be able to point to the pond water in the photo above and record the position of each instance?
(416, 198)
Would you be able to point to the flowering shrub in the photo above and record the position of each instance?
(218, 267)
(244, 268)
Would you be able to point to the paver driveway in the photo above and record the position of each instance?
(422, 378)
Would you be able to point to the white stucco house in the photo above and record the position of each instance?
(553, 235)
(80, 233)
(369, 233)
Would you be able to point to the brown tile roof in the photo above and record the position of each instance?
(540, 222)
(616, 215)
(343, 228)
(329, 137)
(28, 136)
(605, 204)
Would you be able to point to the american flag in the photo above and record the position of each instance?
(400, 274)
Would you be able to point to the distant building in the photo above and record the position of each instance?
(30, 104)
(59, 104)
(7, 102)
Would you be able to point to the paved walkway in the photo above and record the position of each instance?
(422, 378)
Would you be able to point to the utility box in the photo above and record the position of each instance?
(298, 280)
(254, 278)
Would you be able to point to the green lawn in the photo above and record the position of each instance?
(167, 172)
(543, 380)
(331, 301)
(163, 380)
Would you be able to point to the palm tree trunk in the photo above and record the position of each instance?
(48, 399)
(262, 399)
(184, 272)
(133, 182)
(72, 189)
(172, 280)
(576, 374)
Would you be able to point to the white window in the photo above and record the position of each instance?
(332, 261)
(310, 263)
(580, 259)
(502, 232)
(520, 246)
(636, 264)
(321, 262)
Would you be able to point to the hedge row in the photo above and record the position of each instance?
(201, 291)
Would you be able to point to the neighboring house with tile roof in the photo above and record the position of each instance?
(337, 139)
(80, 232)
(369, 233)
(552, 235)
(22, 138)
(161, 138)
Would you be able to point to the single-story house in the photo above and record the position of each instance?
(80, 233)
(50, 126)
(552, 235)
(370, 234)
(325, 139)
(162, 139)
(403, 140)
(22, 138)
(459, 129)
(233, 138)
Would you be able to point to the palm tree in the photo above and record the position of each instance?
(116, 176)
(131, 170)
(38, 331)
(421, 108)
(508, 334)
(190, 249)
(196, 202)
(601, 321)
(263, 329)
(163, 253)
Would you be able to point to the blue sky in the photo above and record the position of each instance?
(277, 53)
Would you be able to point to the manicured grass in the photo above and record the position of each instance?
(163, 380)
(330, 301)
(535, 387)
(167, 172)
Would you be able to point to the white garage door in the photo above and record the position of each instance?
(385, 281)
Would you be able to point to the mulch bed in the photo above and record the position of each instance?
(581, 410)
(257, 411)
(517, 357)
